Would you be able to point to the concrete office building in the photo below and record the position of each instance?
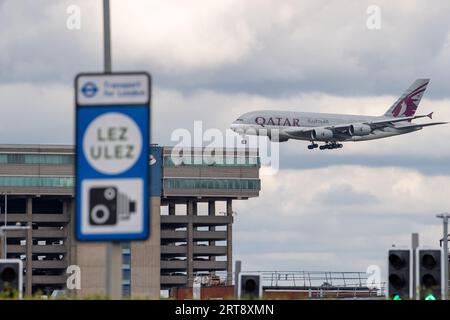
(185, 241)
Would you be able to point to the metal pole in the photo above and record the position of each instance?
(5, 255)
(113, 249)
(446, 257)
(114, 270)
(106, 37)
(237, 271)
(414, 246)
(445, 217)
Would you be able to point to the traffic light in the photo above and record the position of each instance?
(11, 277)
(249, 286)
(400, 274)
(429, 277)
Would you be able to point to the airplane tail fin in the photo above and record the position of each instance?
(408, 102)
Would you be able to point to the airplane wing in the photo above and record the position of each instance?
(418, 125)
(389, 122)
(343, 129)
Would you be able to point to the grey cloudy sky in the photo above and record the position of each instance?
(213, 60)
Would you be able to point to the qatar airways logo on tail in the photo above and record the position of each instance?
(407, 106)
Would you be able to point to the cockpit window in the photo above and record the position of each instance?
(239, 119)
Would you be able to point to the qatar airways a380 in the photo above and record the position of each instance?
(333, 129)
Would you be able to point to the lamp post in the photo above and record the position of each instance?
(444, 217)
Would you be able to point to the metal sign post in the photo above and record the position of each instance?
(112, 148)
(444, 218)
(113, 249)
(5, 245)
(414, 246)
(237, 271)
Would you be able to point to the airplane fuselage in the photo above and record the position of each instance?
(266, 121)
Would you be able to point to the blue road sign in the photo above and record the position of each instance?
(112, 156)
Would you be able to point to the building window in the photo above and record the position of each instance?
(126, 260)
(20, 158)
(247, 184)
(218, 160)
(61, 182)
(126, 290)
(126, 274)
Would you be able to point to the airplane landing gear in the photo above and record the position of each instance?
(332, 145)
(313, 145)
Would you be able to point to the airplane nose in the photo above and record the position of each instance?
(237, 127)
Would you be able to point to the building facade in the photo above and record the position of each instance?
(189, 234)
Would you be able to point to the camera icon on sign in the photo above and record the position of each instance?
(107, 206)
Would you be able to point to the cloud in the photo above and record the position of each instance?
(271, 49)
(287, 218)
(182, 36)
(344, 194)
(40, 48)
(290, 260)
(36, 114)
(425, 163)
(274, 48)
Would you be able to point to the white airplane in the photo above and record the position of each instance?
(335, 128)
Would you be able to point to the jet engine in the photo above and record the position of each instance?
(278, 138)
(321, 134)
(359, 129)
